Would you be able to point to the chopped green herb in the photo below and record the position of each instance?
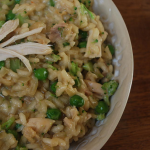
(22, 84)
(2, 64)
(82, 44)
(71, 19)
(75, 8)
(83, 34)
(61, 30)
(53, 95)
(52, 3)
(22, 19)
(10, 16)
(77, 82)
(95, 41)
(1, 23)
(20, 98)
(112, 49)
(34, 110)
(18, 125)
(66, 44)
(14, 133)
(102, 33)
(42, 133)
(83, 111)
(88, 66)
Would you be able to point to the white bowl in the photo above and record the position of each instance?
(123, 66)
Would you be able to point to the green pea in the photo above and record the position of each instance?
(1, 23)
(82, 44)
(77, 101)
(53, 87)
(10, 16)
(112, 49)
(54, 114)
(17, 1)
(41, 73)
(101, 108)
(2, 64)
(15, 133)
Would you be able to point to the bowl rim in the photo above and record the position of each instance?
(131, 78)
(109, 124)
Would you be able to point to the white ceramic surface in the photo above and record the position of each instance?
(123, 63)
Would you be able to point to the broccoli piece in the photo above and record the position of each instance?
(74, 68)
(15, 133)
(84, 10)
(100, 117)
(52, 3)
(8, 123)
(10, 16)
(77, 82)
(109, 90)
(66, 44)
(20, 148)
(52, 67)
(15, 64)
(18, 126)
(55, 57)
(87, 3)
(1, 23)
(22, 19)
(88, 66)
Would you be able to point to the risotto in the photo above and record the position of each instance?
(55, 73)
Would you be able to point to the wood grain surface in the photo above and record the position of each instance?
(133, 131)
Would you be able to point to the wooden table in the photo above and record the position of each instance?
(133, 131)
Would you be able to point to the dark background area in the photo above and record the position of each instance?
(133, 130)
